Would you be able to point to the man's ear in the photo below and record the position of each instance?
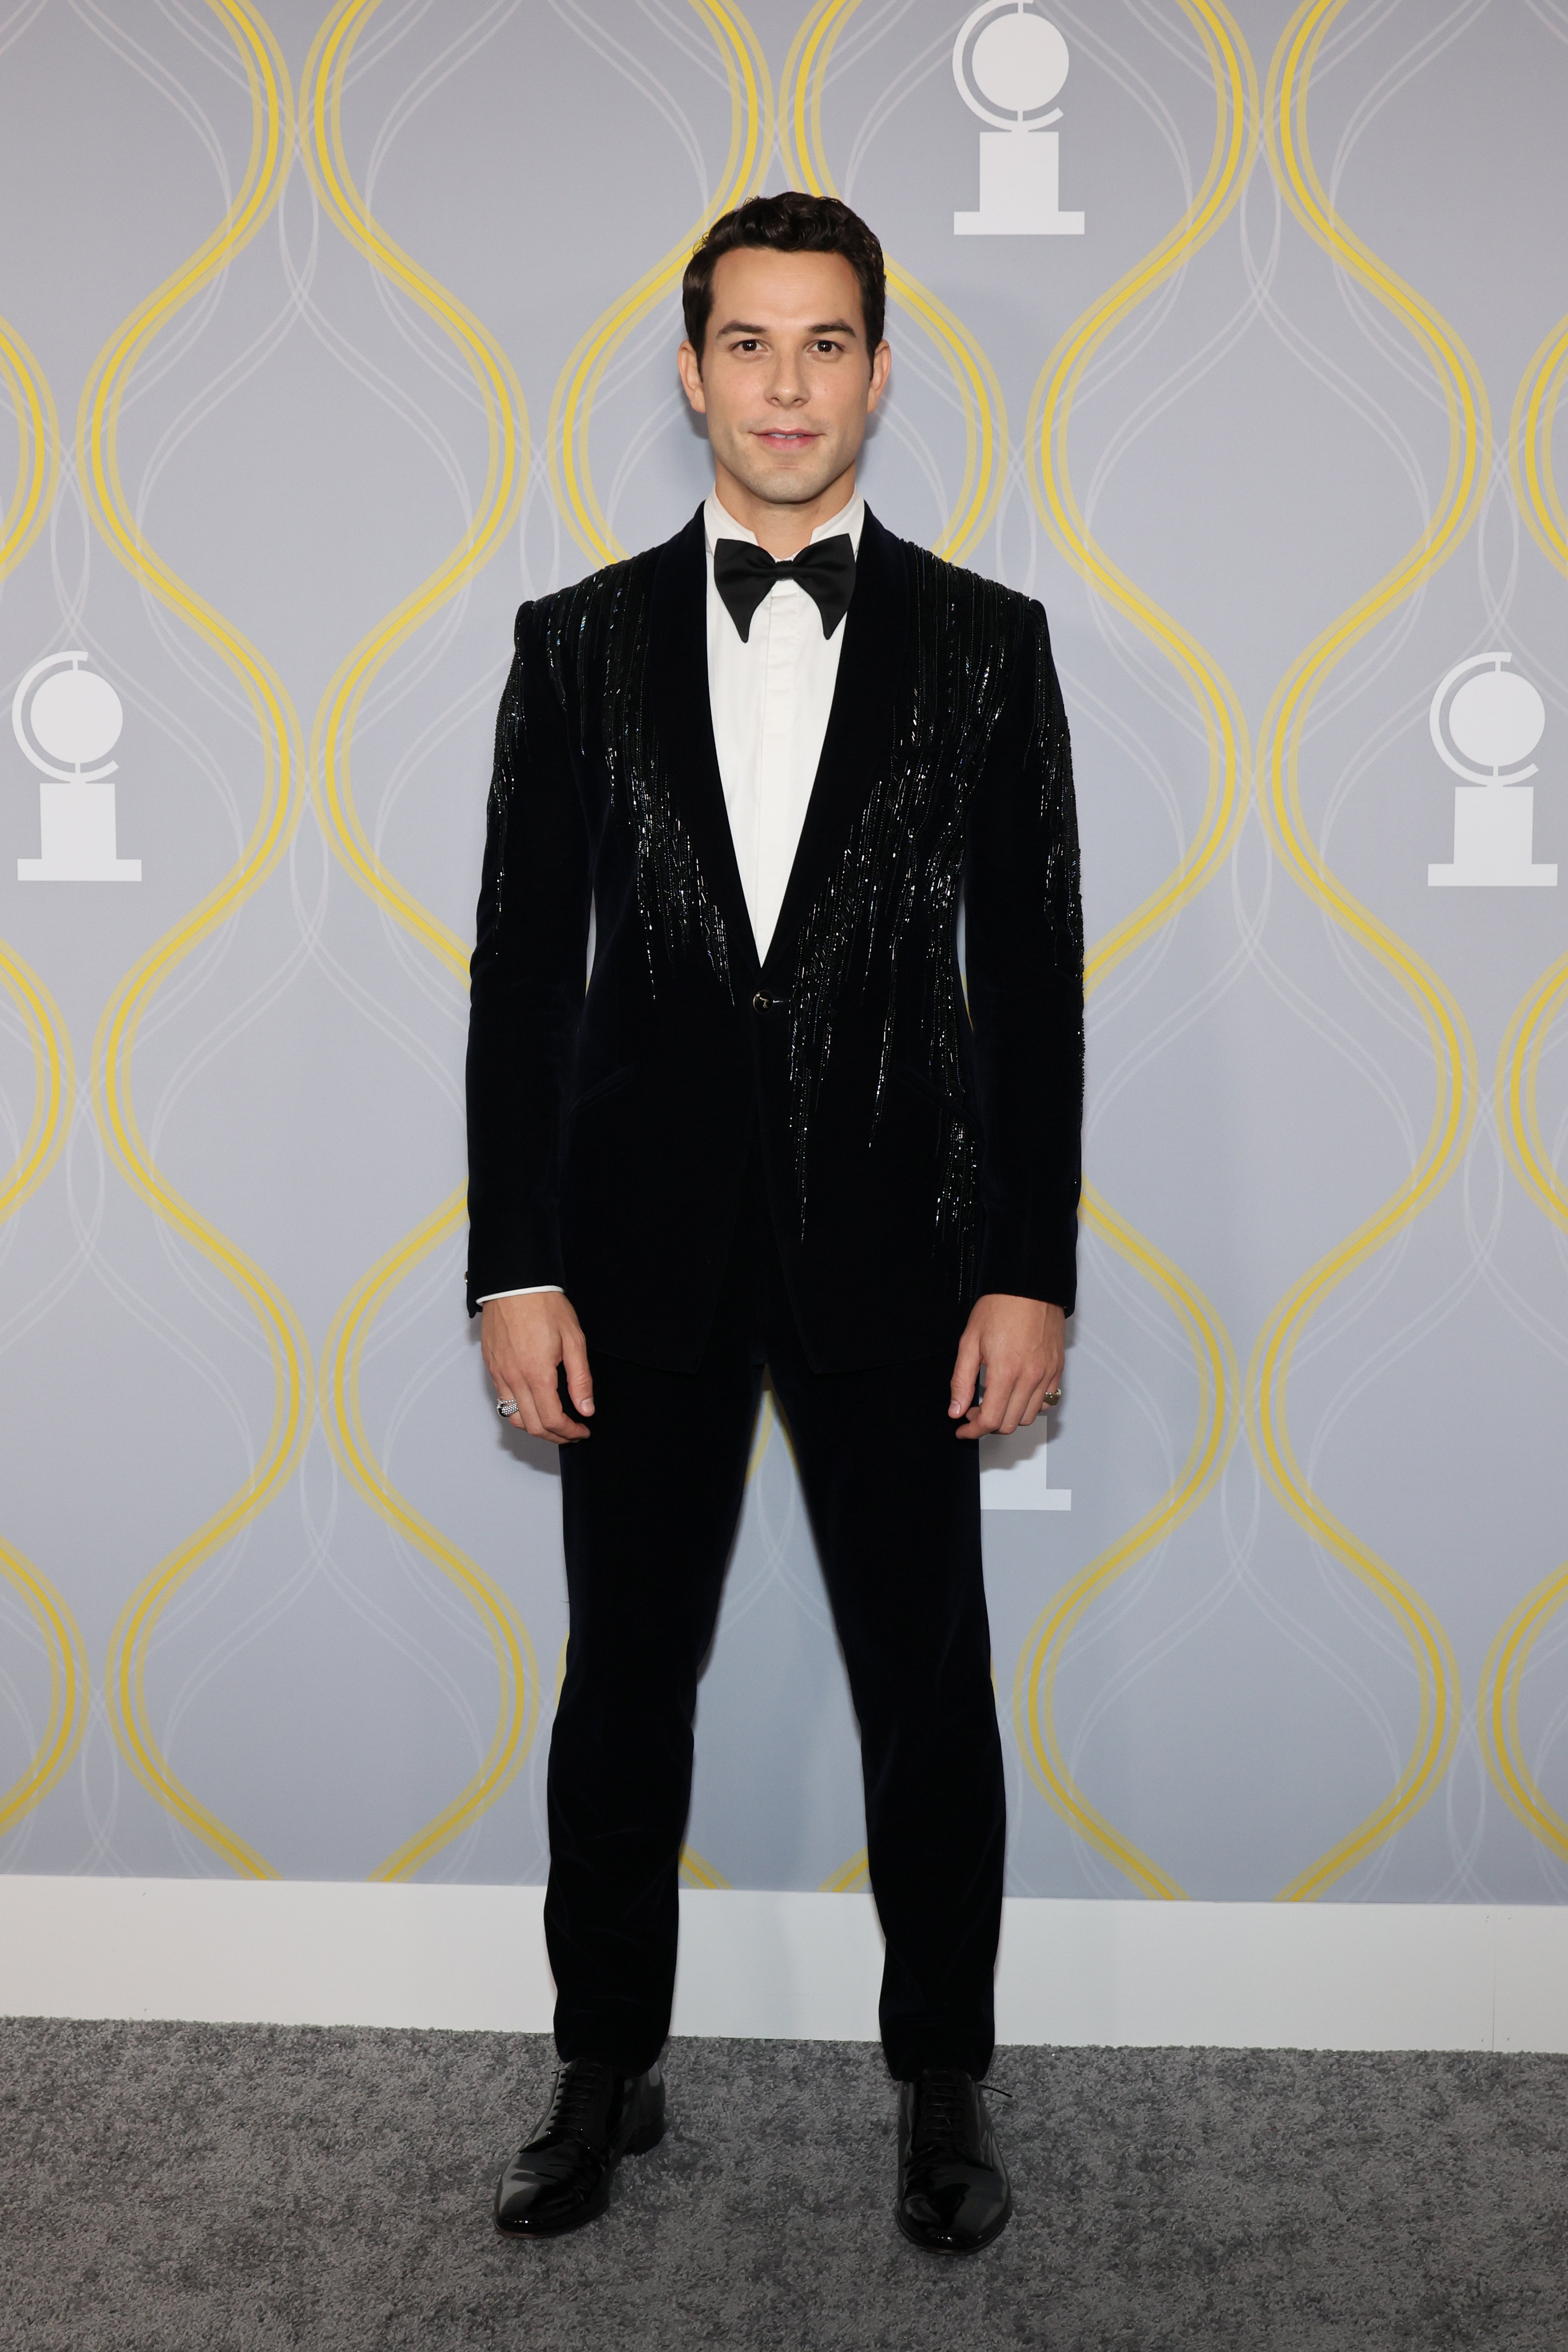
(881, 362)
(690, 367)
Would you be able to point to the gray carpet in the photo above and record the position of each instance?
(167, 2186)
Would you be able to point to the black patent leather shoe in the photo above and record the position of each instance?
(561, 2178)
(954, 2196)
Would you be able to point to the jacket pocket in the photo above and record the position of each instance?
(920, 1083)
(610, 1084)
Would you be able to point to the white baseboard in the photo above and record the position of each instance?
(1230, 1975)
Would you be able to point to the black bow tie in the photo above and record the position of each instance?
(743, 573)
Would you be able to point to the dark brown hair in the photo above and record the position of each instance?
(791, 223)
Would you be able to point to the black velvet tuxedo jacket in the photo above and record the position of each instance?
(919, 1149)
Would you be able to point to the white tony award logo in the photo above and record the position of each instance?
(1009, 62)
(1492, 723)
(65, 721)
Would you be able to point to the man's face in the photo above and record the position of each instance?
(785, 382)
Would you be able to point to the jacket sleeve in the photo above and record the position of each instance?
(1024, 972)
(527, 981)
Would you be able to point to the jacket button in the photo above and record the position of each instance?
(760, 1003)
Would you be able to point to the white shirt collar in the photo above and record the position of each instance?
(718, 522)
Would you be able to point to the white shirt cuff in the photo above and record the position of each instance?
(528, 1290)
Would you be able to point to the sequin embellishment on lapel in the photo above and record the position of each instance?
(596, 635)
(904, 861)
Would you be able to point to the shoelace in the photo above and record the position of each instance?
(579, 2097)
(943, 2108)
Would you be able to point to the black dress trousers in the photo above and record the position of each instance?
(650, 1505)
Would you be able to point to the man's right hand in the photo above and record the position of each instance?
(524, 1338)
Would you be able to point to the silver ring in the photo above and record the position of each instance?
(507, 1407)
(1052, 1396)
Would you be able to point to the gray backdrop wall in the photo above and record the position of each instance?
(328, 334)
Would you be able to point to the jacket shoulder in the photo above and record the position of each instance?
(948, 591)
(587, 601)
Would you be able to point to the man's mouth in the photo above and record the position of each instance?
(778, 439)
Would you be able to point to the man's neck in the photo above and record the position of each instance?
(783, 530)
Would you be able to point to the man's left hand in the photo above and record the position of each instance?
(1022, 1343)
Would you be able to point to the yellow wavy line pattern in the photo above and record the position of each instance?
(516, 1669)
(1518, 1073)
(330, 752)
(1535, 487)
(69, 1687)
(1470, 430)
(506, 425)
(54, 1092)
(975, 378)
(271, 100)
(745, 167)
(1535, 406)
(695, 1872)
(37, 453)
(851, 1877)
(1229, 750)
(1519, 1124)
(27, 511)
(1034, 1683)
(1497, 1712)
(1050, 419)
(54, 1082)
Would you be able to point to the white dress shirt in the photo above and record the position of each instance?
(770, 698)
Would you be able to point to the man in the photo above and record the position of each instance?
(774, 755)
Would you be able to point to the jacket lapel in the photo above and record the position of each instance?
(683, 718)
(860, 732)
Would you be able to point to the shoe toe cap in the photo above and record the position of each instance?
(956, 2216)
(540, 2201)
